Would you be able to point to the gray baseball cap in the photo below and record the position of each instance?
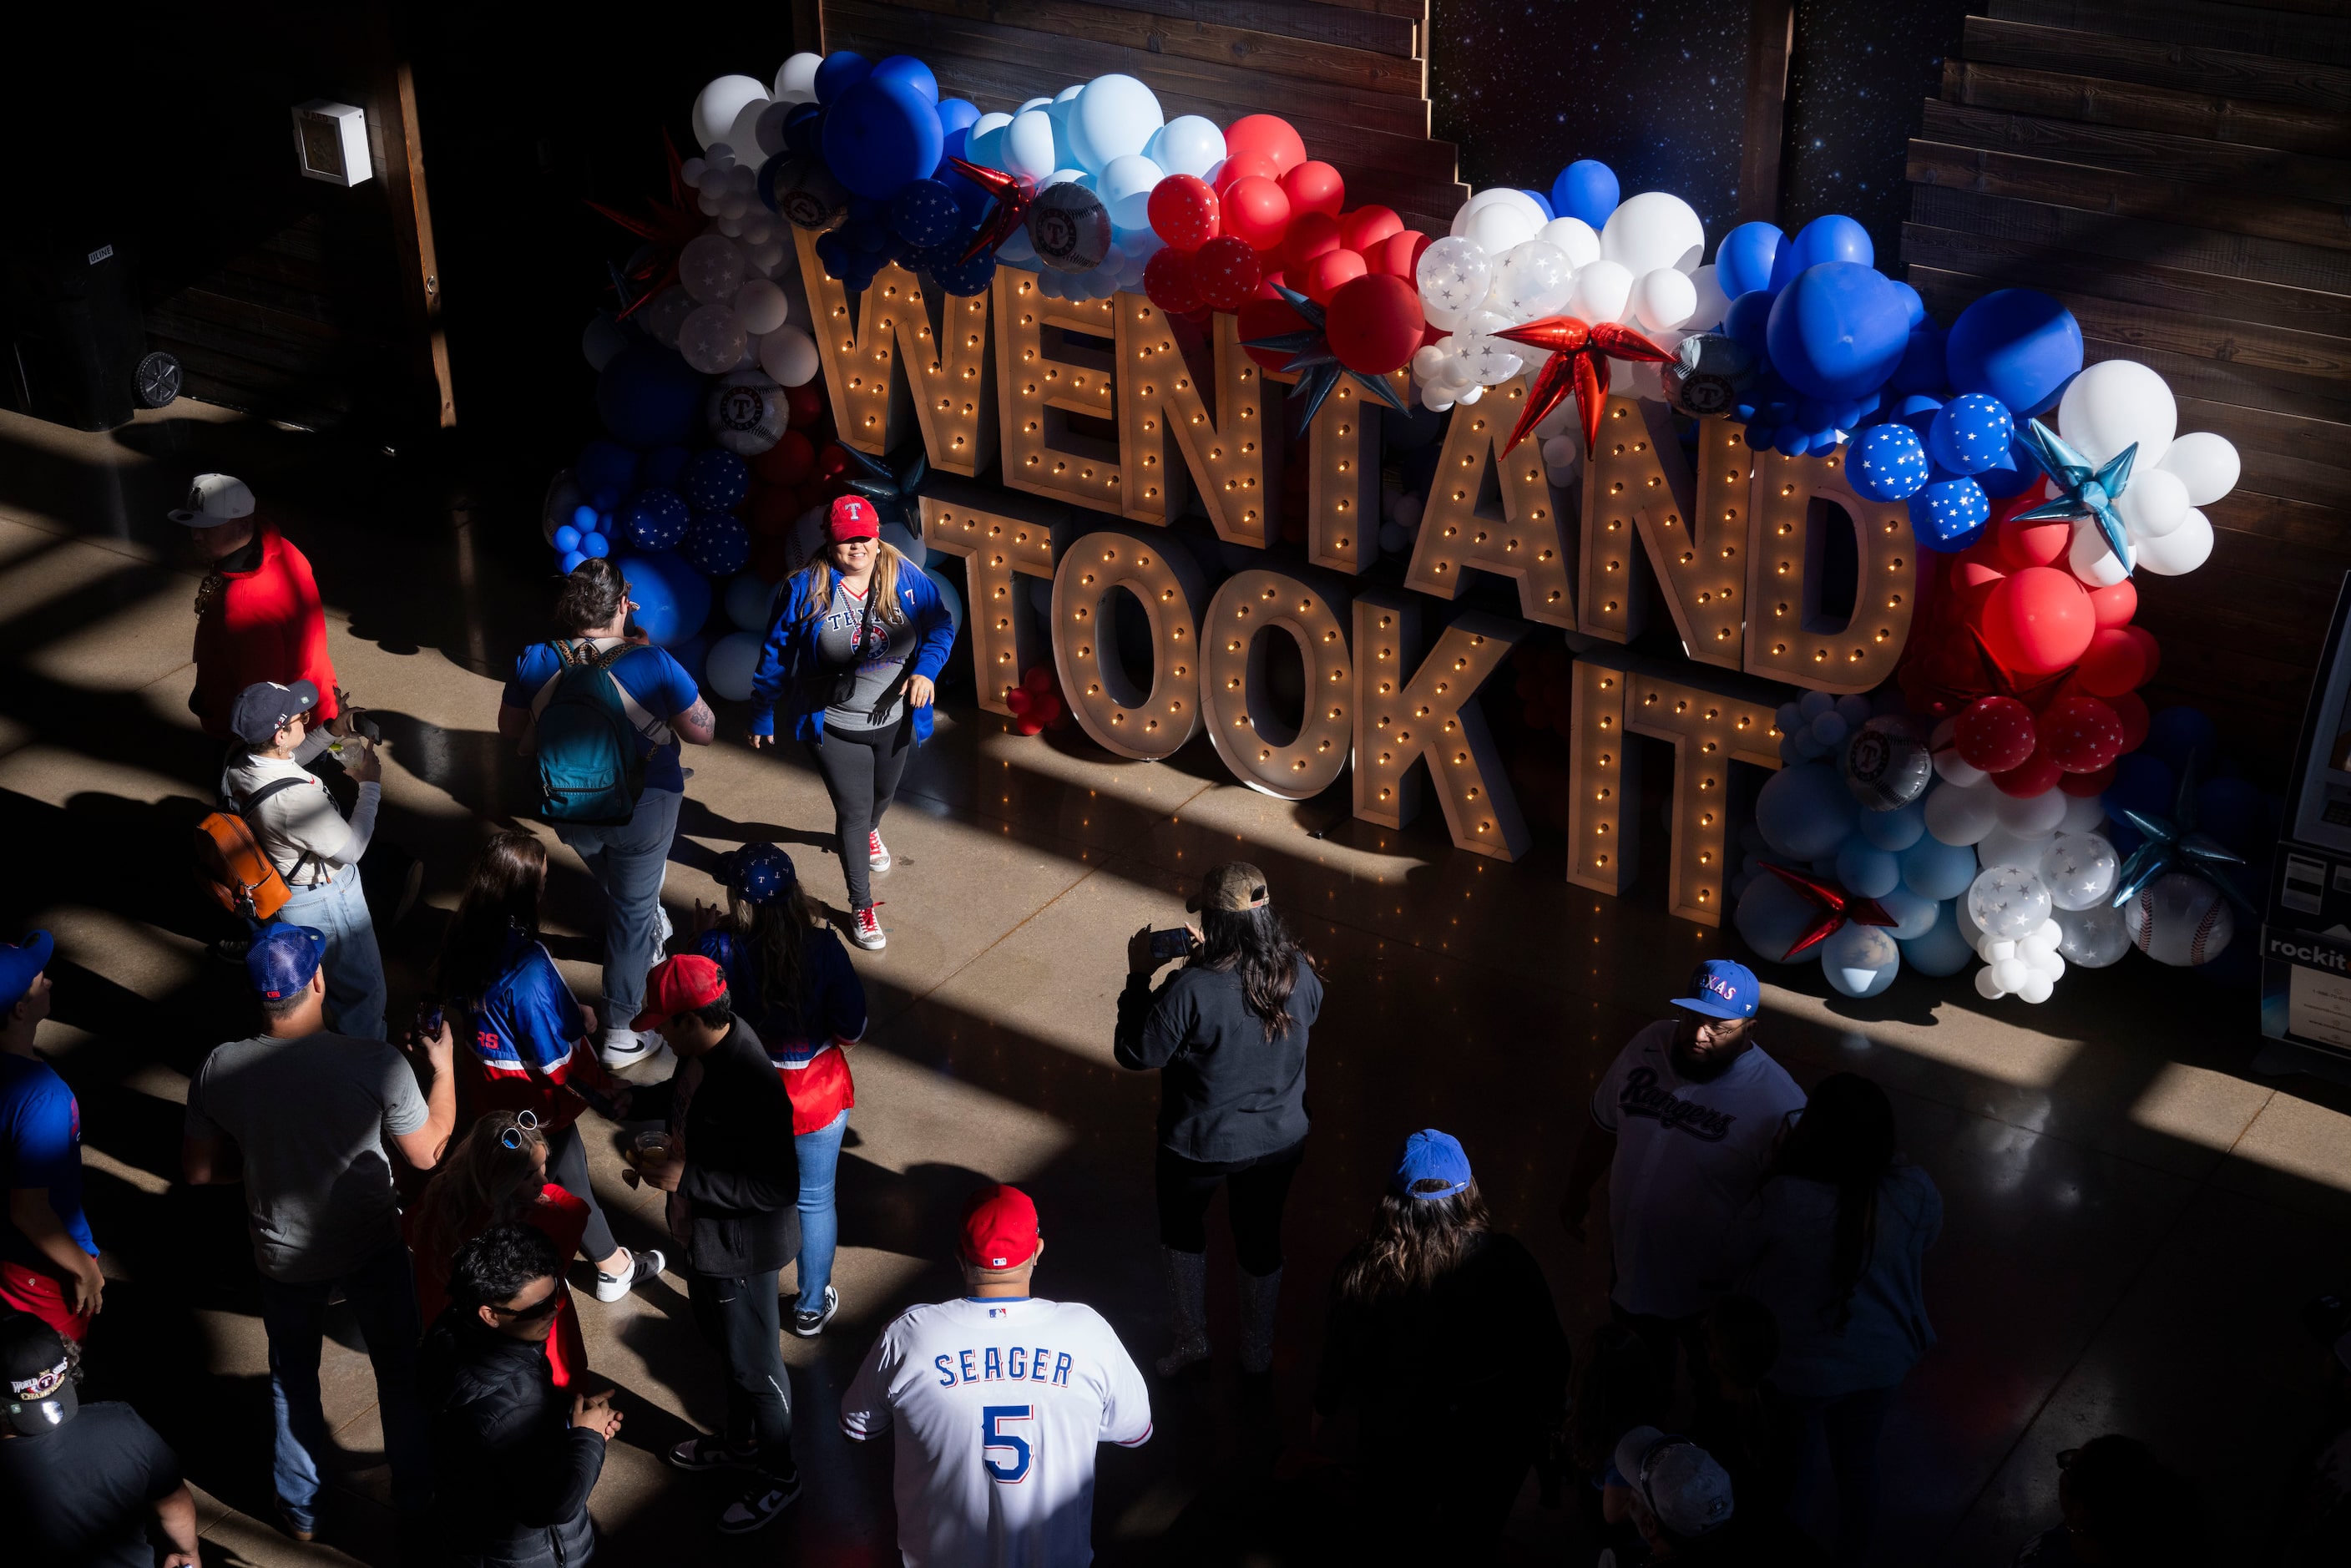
(1675, 1479)
(214, 500)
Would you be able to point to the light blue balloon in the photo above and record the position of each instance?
(1865, 869)
(1943, 950)
(1914, 916)
(1771, 916)
(1742, 262)
(1125, 186)
(1805, 812)
(1027, 144)
(1187, 145)
(1896, 830)
(1860, 960)
(1933, 869)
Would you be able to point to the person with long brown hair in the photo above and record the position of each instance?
(1227, 1036)
(852, 656)
(532, 1046)
(1440, 1323)
(496, 1174)
(791, 977)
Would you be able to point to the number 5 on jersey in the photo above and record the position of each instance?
(993, 1435)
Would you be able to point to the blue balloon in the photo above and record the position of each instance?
(1921, 369)
(606, 498)
(1913, 916)
(1866, 870)
(1742, 262)
(1942, 951)
(716, 545)
(569, 562)
(1896, 830)
(690, 655)
(832, 253)
(595, 547)
(1918, 411)
(656, 519)
(1971, 434)
(1888, 463)
(907, 68)
(672, 599)
(1586, 189)
(1837, 330)
(605, 465)
(1933, 869)
(1911, 302)
(880, 134)
(2175, 733)
(1834, 237)
(966, 278)
(583, 518)
(2234, 812)
(2016, 472)
(1541, 201)
(1860, 960)
(716, 481)
(1749, 322)
(663, 465)
(647, 396)
(1805, 812)
(925, 213)
(567, 539)
(957, 114)
(2017, 345)
(804, 130)
(1771, 916)
(1949, 514)
(841, 69)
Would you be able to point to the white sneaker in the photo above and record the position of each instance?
(876, 851)
(865, 929)
(660, 917)
(625, 1048)
(642, 1266)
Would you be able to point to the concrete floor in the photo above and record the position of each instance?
(2134, 1219)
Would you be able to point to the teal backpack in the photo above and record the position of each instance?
(586, 728)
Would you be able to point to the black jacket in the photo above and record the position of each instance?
(513, 1479)
(1226, 1092)
(742, 1180)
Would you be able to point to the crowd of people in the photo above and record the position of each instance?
(1765, 1244)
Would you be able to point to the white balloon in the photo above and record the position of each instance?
(1125, 186)
(602, 339)
(1602, 292)
(1499, 197)
(2035, 987)
(2182, 551)
(691, 171)
(1987, 986)
(2010, 975)
(2094, 937)
(1454, 275)
(1491, 361)
(1577, 238)
(1499, 226)
(2083, 814)
(743, 137)
(2080, 869)
(1112, 116)
(796, 78)
(711, 268)
(760, 304)
(1711, 304)
(1187, 145)
(2009, 901)
(1469, 395)
(665, 314)
(2118, 404)
(1028, 145)
(711, 339)
(2153, 504)
(770, 131)
(717, 105)
(731, 663)
(2030, 816)
(2042, 938)
(2092, 560)
(1651, 230)
(1532, 281)
(1664, 299)
(789, 356)
(2206, 463)
(1994, 949)
(1961, 815)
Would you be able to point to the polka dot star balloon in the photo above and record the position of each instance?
(716, 481)
(716, 545)
(1949, 514)
(1970, 434)
(656, 519)
(1888, 463)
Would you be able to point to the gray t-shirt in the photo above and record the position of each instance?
(311, 1116)
(879, 699)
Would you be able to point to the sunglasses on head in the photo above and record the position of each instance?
(525, 1123)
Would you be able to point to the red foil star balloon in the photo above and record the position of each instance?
(1012, 195)
(667, 229)
(1835, 904)
(1580, 353)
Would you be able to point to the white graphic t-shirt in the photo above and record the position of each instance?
(999, 1403)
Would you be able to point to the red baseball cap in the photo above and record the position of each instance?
(851, 517)
(680, 985)
(999, 1228)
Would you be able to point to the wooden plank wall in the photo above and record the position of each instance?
(2178, 172)
(1351, 75)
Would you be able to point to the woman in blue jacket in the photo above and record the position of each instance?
(851, 656)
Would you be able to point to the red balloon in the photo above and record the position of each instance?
(2038, 621)
(2114, 606)
(1310, 235)
(1270, 319)
(2022, 545)
(1269, 281)
(1398, 254)
(1255, 210)
(1029, 724)
(1367, 227)
(1373, 323)
(1184, 211)
(1040, 678)
(2131, 708)
(2038, 773)
(1314, 188)
(2080, 734)
(1994, 733)
(789, 462)
(1269, 135)
(1227, 271)
(2148, 646)
(2113, 664)
(1326, 273)
(806, 402)
(2084, 785)
(832, 462)
(1171, 281)
(1240, 166)
(1020, 699)
(770, 509)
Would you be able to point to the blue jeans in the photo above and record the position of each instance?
(383, 1294)
(819, 1158)
(629, 863)
(355, 990)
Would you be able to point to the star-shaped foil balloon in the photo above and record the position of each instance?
(1318, 368)
(2084, 490)
(667, 227)
(1012, 195)
(1835, 906)
(1579, 352)
(896, 493)
(2173, 844)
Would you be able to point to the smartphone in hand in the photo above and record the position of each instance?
(1167, 944)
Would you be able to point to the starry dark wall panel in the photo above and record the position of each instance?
(1857, 81)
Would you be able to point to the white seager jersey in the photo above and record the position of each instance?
(998, 1404)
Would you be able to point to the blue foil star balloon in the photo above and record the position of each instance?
(2084, 491)
(2174, 845)
(1318, 368)
(896, 494)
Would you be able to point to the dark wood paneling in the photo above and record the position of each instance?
(2199, 159)
(2174, 64)
(2094, 190)
(2246, 28)
(2096, 102)
(2291, 265)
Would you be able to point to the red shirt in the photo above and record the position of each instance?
(562, 1219)
(265, 624)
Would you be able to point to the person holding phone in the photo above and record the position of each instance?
(1228, 1034)
(853, 656)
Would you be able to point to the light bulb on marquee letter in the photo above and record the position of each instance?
(1636, 485)
(1618, 696)
(1527, 540)
(1102, 698)
(892, 361)
(1247, 608)
(1787, 637)
(1168, 432)
(1342, 483)
(1432, 712)
(998, 550)
(1054, 358)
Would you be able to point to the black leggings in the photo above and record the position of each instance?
(566, 1167)
(1255, 1193)
(861, 770)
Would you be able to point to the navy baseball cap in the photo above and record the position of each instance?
(19, 962)
(1430, 1156)
(760, 873)
(263, 708)
(283, 958)
(1720, 989)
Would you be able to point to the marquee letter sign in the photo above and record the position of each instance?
(1432, 711)
(892, 361)
(997, 551)
(1103, 698)
(1167, 429)
(1046, 371)
(1264, 751)
(1527, 540)
(1787, 637)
